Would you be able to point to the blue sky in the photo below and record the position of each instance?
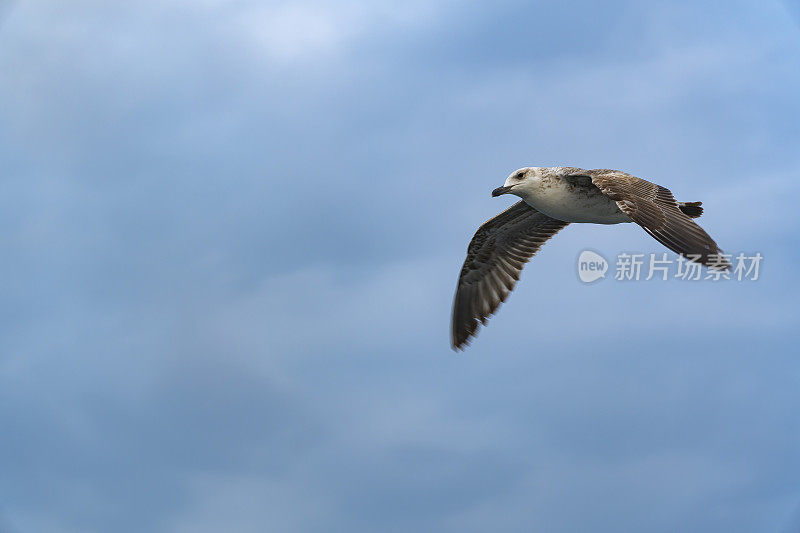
(231, 233)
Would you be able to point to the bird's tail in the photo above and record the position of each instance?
(691, 209)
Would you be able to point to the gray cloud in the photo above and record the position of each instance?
(231, 236)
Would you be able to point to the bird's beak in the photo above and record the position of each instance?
(501, 190)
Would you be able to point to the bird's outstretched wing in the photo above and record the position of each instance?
(654, 208)
(495, 257)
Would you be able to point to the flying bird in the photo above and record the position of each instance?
(552, 198)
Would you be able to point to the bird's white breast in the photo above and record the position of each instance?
(563, 200)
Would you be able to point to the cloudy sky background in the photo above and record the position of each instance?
(231, 233)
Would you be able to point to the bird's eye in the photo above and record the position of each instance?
(520, 175)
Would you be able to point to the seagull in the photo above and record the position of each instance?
(553, 197)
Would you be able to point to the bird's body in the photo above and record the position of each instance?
(552, 198)
(570, 200)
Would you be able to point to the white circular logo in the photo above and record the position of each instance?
(591, 266)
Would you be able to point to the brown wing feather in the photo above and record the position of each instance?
(495, 257)
(654, 208)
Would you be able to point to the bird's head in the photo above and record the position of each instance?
(519, 182)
